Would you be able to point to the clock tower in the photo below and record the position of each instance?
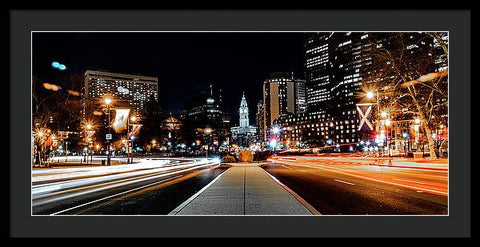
(244, 113)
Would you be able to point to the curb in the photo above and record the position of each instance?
(302, 201)
(190, 199)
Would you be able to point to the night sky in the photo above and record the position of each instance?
(185, 63)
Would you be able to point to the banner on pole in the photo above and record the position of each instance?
(365, 115)
(121, 117)
(135, 130)
(90, 133)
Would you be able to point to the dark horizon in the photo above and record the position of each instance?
(185, 63)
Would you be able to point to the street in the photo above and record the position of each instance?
(150, 187)
(350, 186)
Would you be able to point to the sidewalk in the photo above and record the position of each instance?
(244, 189)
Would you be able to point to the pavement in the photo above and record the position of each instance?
(341, 186)
(245, 189)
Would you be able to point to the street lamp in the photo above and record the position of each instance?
(208, 131)
(129, 149)
(88, 127)
(108, 101)
(384, 114)
(370, 95)
(275, 130)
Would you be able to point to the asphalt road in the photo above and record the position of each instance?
(151, 187)
(336, 186)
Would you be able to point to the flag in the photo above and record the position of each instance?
(365, 115)
(121, 118)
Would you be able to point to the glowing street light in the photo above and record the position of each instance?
(208, 131)
(273, 143)
(275, 130)
(388, 122)
(384, 114)
(370, 95)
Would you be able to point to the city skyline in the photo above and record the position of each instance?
(332, 105)
(184, 63)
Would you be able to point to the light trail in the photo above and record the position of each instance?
(115, 195)
(60, 191)
(388, 175)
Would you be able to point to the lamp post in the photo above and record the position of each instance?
(108, 101)
(387, 134)
(128, 136)
(87, 128)
(130, 149)
(208, 131)
(38, 158)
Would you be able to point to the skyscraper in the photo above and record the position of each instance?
(317, 70)
(280, 93)
(337, 66)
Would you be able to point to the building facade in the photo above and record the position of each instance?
(259, 122)
(135, 90)
(282, 94)
(206, 125)
(338, 66)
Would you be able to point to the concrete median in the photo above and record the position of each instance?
(244, 189)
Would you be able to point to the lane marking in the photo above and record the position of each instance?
(114, 195)
(337, 170)
(345, 182)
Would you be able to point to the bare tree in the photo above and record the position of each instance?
(406, 72)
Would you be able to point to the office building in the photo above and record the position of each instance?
(134, 90)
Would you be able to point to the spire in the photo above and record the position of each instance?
(220, 96)
(243, 103)
(211, 90)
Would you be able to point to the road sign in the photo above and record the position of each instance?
(109, 136)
